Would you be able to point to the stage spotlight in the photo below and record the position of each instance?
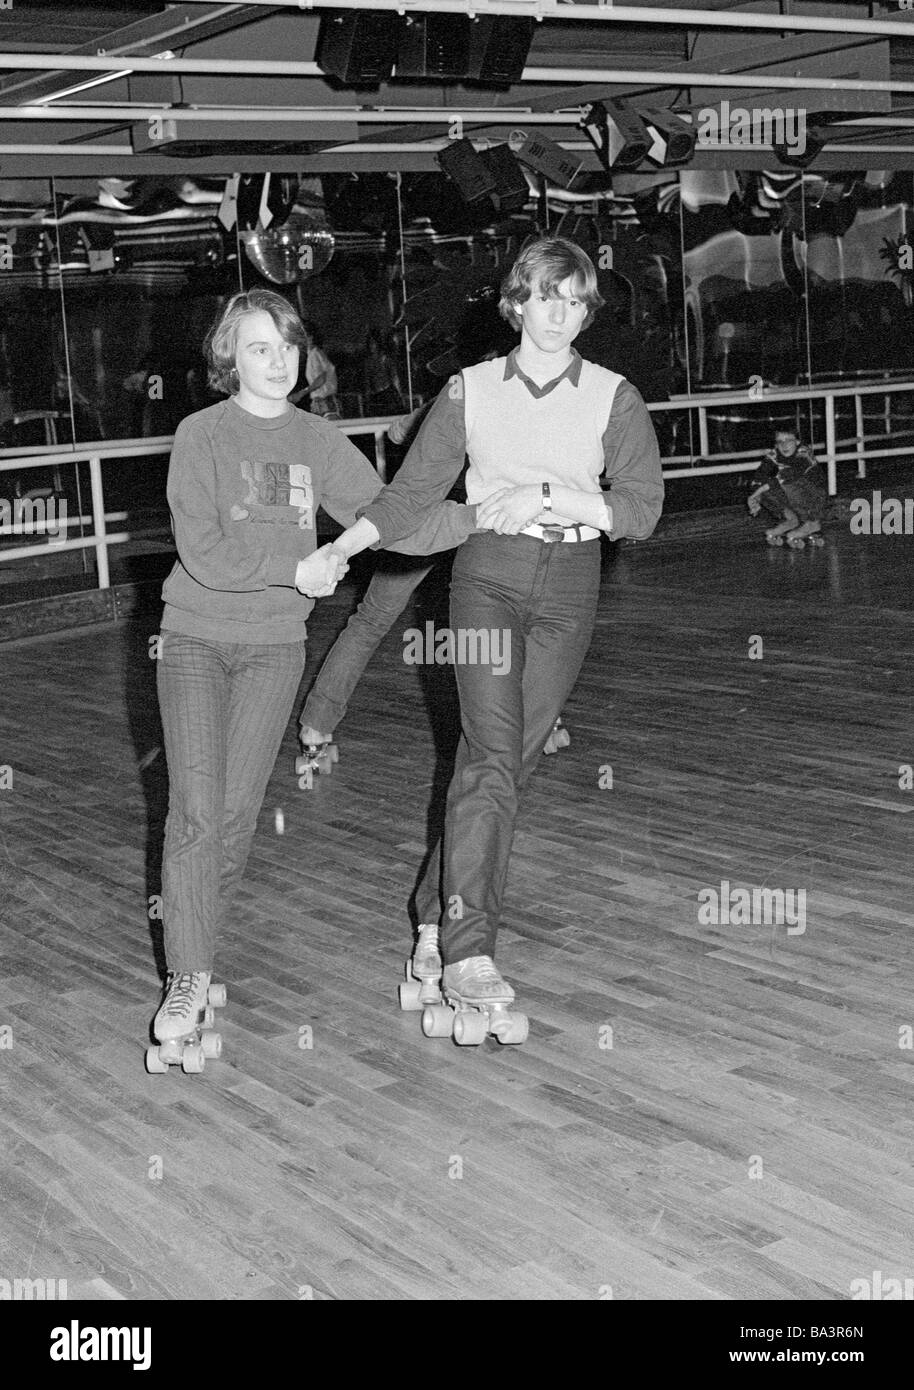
(545, 156)
(617, 133)
(816, 139)
(674, 139)
(467, 169)
(511, 192)
(358, 47)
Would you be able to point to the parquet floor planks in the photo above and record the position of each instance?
(705, 1109)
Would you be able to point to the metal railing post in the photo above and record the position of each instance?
(702, 432)
(830, 447)
(380, 453)
(98, 521)
(861, 444)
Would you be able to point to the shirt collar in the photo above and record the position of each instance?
(572, 372)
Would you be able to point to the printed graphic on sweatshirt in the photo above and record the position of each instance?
(279, 494)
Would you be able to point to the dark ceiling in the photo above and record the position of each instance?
(117, 139)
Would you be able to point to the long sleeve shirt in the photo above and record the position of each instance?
(244, 492)
(585, 425)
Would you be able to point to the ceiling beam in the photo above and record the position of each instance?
(619, 14)
(173, 28)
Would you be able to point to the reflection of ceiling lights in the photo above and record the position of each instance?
(302, 246)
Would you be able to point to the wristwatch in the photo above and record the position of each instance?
(547, 498)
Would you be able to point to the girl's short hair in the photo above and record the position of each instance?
(542, 265)
(221, 341)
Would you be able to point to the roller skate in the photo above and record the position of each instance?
(477, 1000)
(423, 971)
(184, 1024)
(559, 737)
(320, 753)
(807, 534)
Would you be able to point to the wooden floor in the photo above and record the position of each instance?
(747, 1134)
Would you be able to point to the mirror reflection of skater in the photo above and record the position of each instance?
(540, 428)
(788, 485)
(245, 482)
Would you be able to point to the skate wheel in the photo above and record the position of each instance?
(333, 753)
(470, 1028)
(437, 1021)
(551, 745)
(797, 544)
(775, 540)
(211, 1044)
(302, 765)
(194, 1058)
(408, 969)
(409, 996)
(562, 738)
(154, 1064)
(209, 1017)
(816, 540)
(514, 1029)
(216, 996)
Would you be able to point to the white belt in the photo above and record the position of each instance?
(575, 532)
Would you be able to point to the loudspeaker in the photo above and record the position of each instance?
(511, 191)
(434, 45)
(498, 49)
(469, 171)
(358, 47)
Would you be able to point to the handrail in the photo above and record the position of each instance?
(97, 452)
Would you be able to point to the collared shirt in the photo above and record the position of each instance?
(631, 457)
(571, 373)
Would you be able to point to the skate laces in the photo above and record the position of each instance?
(482, 968)
(181, 994)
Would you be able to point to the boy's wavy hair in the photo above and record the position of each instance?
(542, 266)
(221, 341)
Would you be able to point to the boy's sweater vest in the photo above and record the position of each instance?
(513, 438)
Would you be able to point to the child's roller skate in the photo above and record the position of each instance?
(319, 755)
(477, 1003)
(184, 1024)
(808, 534)
(423, 971)
(559, 738)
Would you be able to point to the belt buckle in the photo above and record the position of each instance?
(553, 533)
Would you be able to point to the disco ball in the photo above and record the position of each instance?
(302, 246)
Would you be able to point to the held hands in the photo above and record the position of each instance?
(510, 509)
(319, 574)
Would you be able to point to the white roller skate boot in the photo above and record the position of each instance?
(183, 1025)
(477, 1003)
(423, 971)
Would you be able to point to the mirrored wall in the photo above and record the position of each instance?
(712, 280)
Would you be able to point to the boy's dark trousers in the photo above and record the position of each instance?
(538, 600)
